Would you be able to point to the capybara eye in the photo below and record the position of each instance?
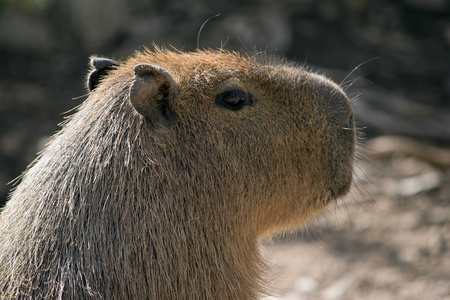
(233, 99)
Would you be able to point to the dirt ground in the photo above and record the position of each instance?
(390, 239)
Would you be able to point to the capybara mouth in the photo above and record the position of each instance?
(340, 190)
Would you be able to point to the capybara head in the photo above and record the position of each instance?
(270, 143)
(173, 168)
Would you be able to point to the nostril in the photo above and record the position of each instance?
(339, 109)
(349, 122)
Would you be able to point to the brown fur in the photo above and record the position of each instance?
(119, 206)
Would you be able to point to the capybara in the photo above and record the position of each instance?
(163, 182)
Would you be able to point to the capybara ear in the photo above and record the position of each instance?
(100, 68)
(151, 89)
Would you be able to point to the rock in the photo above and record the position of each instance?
(337, 289)
(305, 285)
(418, 184)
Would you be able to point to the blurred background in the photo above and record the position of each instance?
(391, 237)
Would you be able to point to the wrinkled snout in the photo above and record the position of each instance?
(339, 108)
(340, 138)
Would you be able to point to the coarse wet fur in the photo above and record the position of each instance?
(163, 182)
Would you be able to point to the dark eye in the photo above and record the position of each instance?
(233, 99)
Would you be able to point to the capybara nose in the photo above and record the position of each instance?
(339, 108)
(349, 121)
